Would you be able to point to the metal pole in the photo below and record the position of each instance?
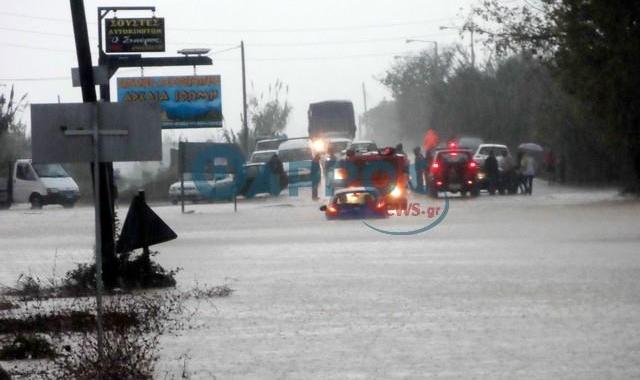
(83, 52)
(473, 49)
(107, 188)
(181, 152)
(245, 126)
(366, 110)
(98, 230)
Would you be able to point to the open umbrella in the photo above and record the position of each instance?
(530, 148)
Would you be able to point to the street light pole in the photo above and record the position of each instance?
(245, 122)
(435, 44)
(472, 30)
(473, 47)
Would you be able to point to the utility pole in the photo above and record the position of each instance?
(245, 122)
(473, 46)
(366, 110)
(85, 68)
(471, 27)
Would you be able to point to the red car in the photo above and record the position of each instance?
(455, 171)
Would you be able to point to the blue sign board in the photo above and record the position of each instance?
(186, 101)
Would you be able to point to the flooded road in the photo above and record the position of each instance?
(536, 287)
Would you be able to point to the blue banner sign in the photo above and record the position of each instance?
(186, 101)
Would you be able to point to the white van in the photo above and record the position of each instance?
(296, 156)
(42, 184)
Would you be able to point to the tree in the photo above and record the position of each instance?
(13, 140)
(268, 115)
(511, 100)
(593, 46)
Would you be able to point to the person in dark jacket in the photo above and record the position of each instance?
(420, 165)
(315, 176)
(491, 170)
(276, 170)
(329, 168)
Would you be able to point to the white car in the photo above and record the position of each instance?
(483, 151)
(199, 192)
(363, 146)
(261, 156)
(296, 156)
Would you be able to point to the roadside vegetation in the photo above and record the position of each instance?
(60, 333)
(550, 78)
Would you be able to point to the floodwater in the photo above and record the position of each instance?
(513, 287)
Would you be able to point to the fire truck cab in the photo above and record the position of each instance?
(385, 170)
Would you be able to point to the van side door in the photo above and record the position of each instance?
(24, 182)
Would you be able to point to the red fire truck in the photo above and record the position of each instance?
(385, 170)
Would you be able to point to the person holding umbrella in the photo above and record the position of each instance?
(528, 167)
(528, 164)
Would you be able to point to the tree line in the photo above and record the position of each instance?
(561, 73)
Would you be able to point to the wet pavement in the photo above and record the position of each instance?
(539, 287)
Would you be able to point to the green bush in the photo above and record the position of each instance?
(27, 347)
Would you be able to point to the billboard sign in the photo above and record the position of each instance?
(64, 132)
(134, 35)
(186, 101)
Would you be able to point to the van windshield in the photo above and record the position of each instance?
(50, 170)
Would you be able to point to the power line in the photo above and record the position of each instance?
(33, 79)
(268, 44)
(318, 58)
(262, 59)
(45, 48)
(316, 29)
(265, 30)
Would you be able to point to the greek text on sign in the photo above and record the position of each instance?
(134, 35)
(186, 101)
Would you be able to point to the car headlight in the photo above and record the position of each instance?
(481, 175)
(340, 174)
(319, 146)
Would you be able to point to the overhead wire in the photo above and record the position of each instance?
(261, 30)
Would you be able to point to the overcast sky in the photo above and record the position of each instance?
(321, 49)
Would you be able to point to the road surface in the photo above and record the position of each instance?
(541, 287)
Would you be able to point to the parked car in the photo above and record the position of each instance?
(363, 146)
(453, 170)
(296, 156)
(505, 182)
(261, 156)
(37, 184)
(269, 144)
(219, 187)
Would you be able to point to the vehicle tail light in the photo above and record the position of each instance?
(470, 182)
(473, 165)
(452, 145)
(380, 205)
(435, 166)
(439, 183)
(396, 192)
(332, 209)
